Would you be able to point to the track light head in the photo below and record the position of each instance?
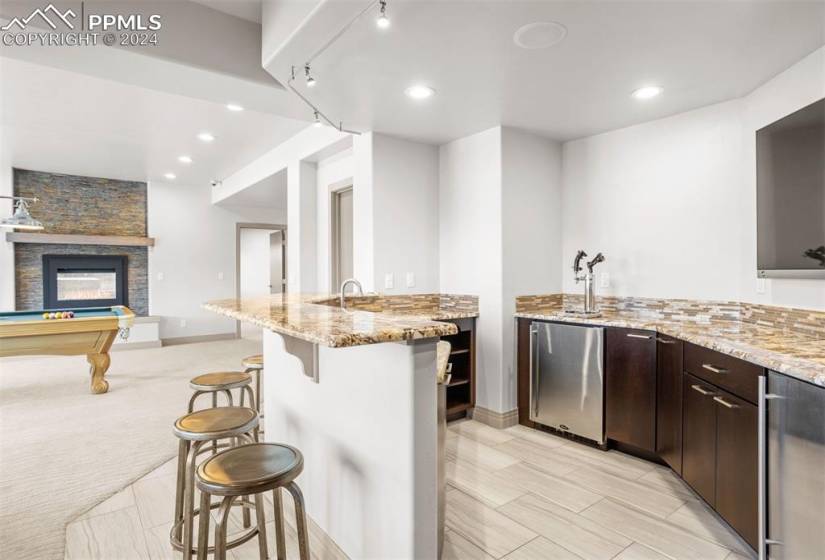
(310, 80)
(317, 123)
(383, 21)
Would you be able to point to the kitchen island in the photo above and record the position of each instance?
(354, 389)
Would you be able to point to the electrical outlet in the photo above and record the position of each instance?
(411, 279)
(389, 281)
(604, 280)
(761, 285)
(160, 276)
(183, 323)
(220, 276)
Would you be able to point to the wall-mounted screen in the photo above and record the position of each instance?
(790, 194)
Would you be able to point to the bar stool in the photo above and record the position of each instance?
(222, 382)
(231, 423)
(245, 470)
(255, 364)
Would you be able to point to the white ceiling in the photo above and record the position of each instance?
(66, 122)
(249, 10)
(267, 193)
(700, 52)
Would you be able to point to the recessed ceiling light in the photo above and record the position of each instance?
(647, 92)
(170, 176)
(419, 92)
(539, 35)
(185, 159)
(234, 107)
(206, 137)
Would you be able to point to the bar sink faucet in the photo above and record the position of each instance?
(587, 278)
(346, 283)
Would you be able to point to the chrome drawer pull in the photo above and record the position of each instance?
(699, 389)
(714, 369)
(663, 341)
(645, 336)
(725, 403)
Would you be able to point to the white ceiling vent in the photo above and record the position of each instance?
(540, 35)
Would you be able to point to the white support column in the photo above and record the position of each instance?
(301, 216)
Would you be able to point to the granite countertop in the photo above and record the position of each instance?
(744, 331)
(368, 319)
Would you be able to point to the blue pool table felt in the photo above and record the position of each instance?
(78, 314)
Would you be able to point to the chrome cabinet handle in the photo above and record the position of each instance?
(725, 403)
(534, 376)
(699, 389)
(645, 336)
(714, 369)
(663, 341)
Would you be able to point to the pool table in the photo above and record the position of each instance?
(91, 331)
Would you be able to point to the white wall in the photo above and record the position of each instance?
(672, 202)
(405, 214)
(194, 244)
(470, 244)
(333, 171)
(6, 209)
(531, 233)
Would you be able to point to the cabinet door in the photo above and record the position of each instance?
(699, 437)
(737, 464)
(669, 401)
(630, 404)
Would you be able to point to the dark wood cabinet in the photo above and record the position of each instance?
(630, 387)
(669, 401)
(736, 462)
(461, 390)
(699, 437)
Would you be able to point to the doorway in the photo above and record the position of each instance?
(341, 247)
(260, 267)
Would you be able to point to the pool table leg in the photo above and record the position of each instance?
(99, 365)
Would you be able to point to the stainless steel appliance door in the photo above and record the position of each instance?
(795, 469)
(567, 378)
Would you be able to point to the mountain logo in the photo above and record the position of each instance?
(44, 15)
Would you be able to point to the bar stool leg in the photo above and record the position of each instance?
(280, 539)
(203, 526)
(260, 515)
(189, 499)
(180, 484)
(300, 520)
(220, 528)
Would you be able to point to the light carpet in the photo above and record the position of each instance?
(63, 450)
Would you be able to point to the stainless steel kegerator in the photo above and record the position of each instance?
(792, 469)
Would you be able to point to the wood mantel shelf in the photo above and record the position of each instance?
(72, 239)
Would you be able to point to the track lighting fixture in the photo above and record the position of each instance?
(383, 21)
(310, 79)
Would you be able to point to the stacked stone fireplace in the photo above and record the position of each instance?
(60, 275)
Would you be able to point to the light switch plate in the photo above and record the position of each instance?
(183, 323)
(389, 281)
(761, 285)
(411, 279)
(220, 276)
(160, 276)
(604, 280)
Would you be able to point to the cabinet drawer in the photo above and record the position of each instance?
(737, 376)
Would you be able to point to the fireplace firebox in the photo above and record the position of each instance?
(84, 281)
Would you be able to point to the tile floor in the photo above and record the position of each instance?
(514, 494)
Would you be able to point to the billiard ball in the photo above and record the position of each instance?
(71, 314)
(52, 315)
(45, 315)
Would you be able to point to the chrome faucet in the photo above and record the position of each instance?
(587, 278)
(346, 283)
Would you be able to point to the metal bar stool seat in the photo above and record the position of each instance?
(222, 382)
(194, 430)
(249, 469)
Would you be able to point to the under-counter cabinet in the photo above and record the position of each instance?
(461, 389)
(630, 387)
(669, 401)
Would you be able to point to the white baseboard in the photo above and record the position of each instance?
(136, 345)
(201, 338)
(495, 419)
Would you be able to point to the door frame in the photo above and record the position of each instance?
(335, 189)
(251, 225)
